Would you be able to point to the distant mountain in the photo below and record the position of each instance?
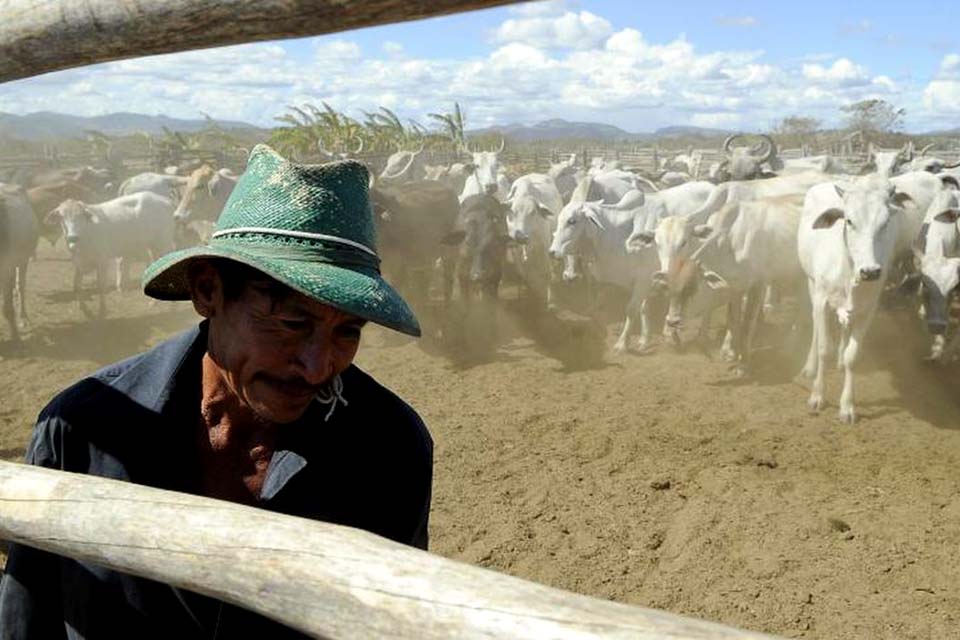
(559, 129)
(48, 124)
(685, 131)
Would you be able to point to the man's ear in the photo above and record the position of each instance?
(206, 288)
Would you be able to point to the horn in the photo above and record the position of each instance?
(422, 144)
(955, 165)
(648, 183)
(771, 148)
(360, 146)
(923, 152)
(503, 143)
(728, 143)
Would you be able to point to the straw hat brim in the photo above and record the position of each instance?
(366, 296)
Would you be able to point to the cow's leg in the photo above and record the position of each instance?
(620, 346)
(732, 338)
(754, 306)
(22, 291)
(810, 367)
(857, 330)
(9, 311)
(121, 265)
(821, 340)
(101, 289)
(771, 298)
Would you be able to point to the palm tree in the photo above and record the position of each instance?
(453, 124)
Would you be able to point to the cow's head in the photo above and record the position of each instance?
(74, 217)
(525, 218)
(746, 163)
(403, 166)
(577, 220)
(486, 167)
(887, 163)
(868, 213)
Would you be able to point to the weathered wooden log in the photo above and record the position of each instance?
(38, 36)
(325, 580)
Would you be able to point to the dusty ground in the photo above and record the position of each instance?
(656, 480)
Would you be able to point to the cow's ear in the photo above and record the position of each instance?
(702, 231)
(714, 280)
(949, 216)
(950, 182)
(543, 211)
(838, 189)
(827, 219)
(592, 216)
(900, 199)
(53, 218)
(454, 238)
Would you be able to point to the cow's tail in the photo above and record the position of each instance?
(717, 198)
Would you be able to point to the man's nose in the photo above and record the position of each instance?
(317, 361)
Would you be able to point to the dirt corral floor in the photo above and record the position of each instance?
(657, 480)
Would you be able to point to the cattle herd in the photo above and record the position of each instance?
(679, 242)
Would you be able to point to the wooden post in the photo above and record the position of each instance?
(38, 36)
(326, 580)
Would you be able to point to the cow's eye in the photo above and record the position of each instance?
(849, 223)
(571, 222)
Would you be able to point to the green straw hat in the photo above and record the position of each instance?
(308, 226)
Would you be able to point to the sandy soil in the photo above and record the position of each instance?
(657, 480)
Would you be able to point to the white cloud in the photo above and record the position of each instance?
(337, 50)
(549, 60)
(716, 120)
(391, 48)
(942, 94)
(570, 30)
(842, 72)
(737, 21)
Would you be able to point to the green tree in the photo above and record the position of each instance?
(873, 116)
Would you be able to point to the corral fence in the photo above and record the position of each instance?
(522, 158)
(326, 580)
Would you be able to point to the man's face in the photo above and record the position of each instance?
(276, 353)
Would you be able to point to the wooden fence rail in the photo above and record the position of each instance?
(326, 580)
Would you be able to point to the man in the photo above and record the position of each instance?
(259, 404)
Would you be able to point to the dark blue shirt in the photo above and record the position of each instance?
(369, 466)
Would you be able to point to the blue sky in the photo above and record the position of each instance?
(637, 65)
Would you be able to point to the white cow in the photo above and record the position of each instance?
(747, 246)
(823, 164)
(162, 184)
(566, 175)
(937, 252)
(599, 231)
(484, 175)
(403, 166)
(682, 200)
(18, 242)
(846, 243)
(110, 232)
(535, 204)
(888, 163)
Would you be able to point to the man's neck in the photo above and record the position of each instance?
(235, 444)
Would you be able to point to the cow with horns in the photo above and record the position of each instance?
(747, 163)
(404, 166)
(485, 174)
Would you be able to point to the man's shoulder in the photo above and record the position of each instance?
(140, 379)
